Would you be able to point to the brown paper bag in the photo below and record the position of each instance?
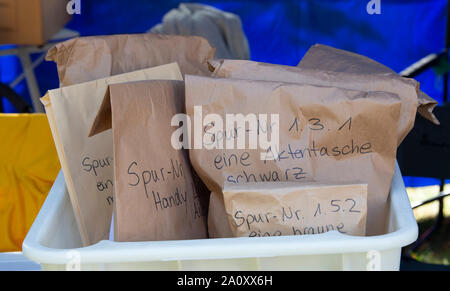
(87, 163)
(88, 58)
(327, 135)
(406, 89)
(218, 225)
(275, 209)
(322, 57)
(155, 195)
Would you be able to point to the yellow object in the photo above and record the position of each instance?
(28, 166)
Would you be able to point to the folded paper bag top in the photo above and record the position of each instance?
(289, 208)
(326, 134)
(88, 58)
(155, 194)
(322, 57)
(87, 163)
(406, 89)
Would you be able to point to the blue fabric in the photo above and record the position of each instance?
(282, 31)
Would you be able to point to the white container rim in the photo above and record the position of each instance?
(331, 242)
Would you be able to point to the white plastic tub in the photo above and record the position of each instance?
(54, 242)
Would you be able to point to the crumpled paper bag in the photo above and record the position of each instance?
(327, 135)
(93, 57)
(87, 163)
(155, 194)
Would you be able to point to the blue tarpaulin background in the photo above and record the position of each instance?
(281, 32)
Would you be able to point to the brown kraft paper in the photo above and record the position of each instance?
(287, 208)
(155, 195)
(88, 58)
(87, 163)
(322, 57)
(218, 225)
(406, 89)
(327, 135)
